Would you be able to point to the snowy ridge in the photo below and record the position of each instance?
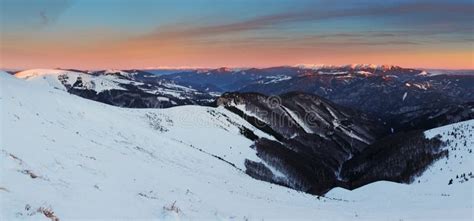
(135, 88)
(32, 73)
(59, 78)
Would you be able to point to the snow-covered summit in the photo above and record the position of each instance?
(384, 67)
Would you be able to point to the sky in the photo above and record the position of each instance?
(126, 34)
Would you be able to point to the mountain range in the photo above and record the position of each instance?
(264, 136)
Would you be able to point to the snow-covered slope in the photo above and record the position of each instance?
(67, 157)
(444, 191)
(83, 159)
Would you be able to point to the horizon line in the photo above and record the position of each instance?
(230, 67)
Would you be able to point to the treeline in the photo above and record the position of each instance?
(397, 158)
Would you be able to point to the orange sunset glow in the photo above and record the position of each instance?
(59, 34)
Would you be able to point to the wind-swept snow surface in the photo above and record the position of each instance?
(71, 158)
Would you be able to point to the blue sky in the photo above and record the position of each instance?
(145, 33)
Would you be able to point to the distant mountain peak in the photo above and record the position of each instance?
(224, 69)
